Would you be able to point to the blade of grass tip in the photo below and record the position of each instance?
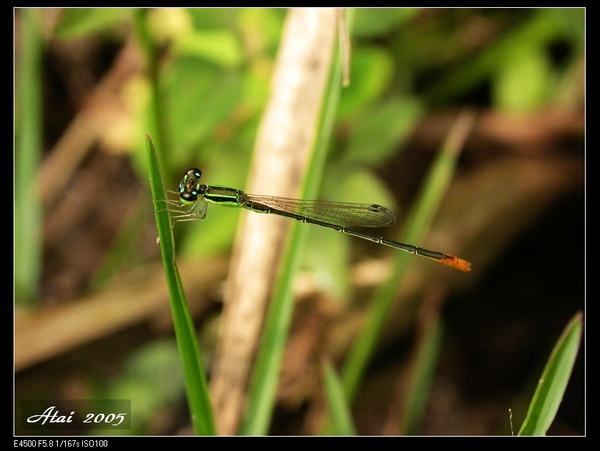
(553, 383)
(337, 403)
(187, 343)
(417, 225)
(28, 204)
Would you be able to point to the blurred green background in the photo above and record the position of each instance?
(84, 244)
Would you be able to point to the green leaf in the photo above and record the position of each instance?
(152, 378)
(523, 83)
(260, 30)
(371, 73)
(555, 378)
(380, 131)
(218, 46)
(545, 26)
(198, 96)
(75, 22)
(377, 21)
(213, 17)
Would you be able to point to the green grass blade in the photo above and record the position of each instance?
(423, 370)
(553, 383)
(339, 410)
(28, 204)
(191, 360)
(416, 227)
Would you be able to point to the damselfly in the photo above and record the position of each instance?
(338, 216)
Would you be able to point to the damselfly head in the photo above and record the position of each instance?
(189, 186)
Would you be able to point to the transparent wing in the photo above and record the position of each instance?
(347, 214)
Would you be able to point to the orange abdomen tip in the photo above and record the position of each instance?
(458, 263)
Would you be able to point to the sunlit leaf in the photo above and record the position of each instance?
(75, 22)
